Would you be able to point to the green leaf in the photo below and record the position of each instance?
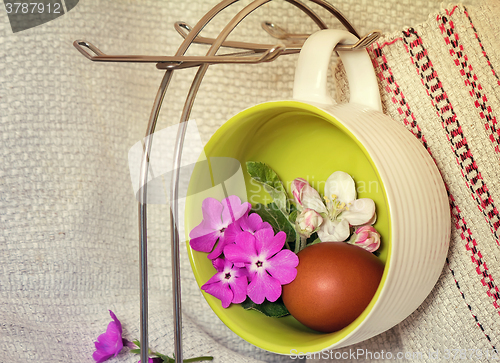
(135, 351)
(293, 216)
(274, 216)
(271, 182)
(292, 209)
(273, 309)
(198, 359)
(136, 342)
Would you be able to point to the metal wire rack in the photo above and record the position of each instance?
(249, 53)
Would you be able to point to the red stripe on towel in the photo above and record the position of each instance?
(481, 45)
(380, 46)
(384, 72)
(476, 91)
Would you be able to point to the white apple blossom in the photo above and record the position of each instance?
(339, 208)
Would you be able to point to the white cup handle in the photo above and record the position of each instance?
(312, 70)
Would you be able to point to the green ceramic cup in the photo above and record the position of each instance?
(311, 137)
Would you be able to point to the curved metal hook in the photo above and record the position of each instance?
(143, 207)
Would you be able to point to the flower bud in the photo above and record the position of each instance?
(297, 186)
(306, 196)
(308, 222)
(366, 237)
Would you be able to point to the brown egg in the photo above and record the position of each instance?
(334, 284)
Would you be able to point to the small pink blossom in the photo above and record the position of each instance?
(297, 186)
(247, 223)
(218, 263)
(110, 343)
(267, 264)
(229, 284)
(252, 223)
(305, 195)
(308, 222)
(217, 216)
(367, 238)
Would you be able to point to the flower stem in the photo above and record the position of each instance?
(198, 359)
(298, 242)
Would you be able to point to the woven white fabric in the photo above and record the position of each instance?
(68, 216)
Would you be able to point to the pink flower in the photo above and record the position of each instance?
(297, 187)
(308, 222)
(249, 223)
(229, 284)
(109, 344)
(252, 223)
(366, 237)
(267, 264)
(305, 195)
(218, 263)
(217, 217)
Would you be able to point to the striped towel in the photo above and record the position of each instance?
(440, 80)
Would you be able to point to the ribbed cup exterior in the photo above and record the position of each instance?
(420, 216)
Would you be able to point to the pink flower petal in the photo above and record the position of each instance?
(244, 223)
(367, 238)
(219, 248)
(212, 210)
(229, 285)
(202, 229)
(204, 243)
(101, 356)
(253, 223)
(362, 235)
(239, 288)
(312, 200)
(109, 343)
(117, 322)
(233, 209)
(283, 266)
(373, 247)
(233, 230)
(215, 279)
(265, 225)
(220, 290)
(263, 286)
(296, 188)
(268, 244)
(218, 264)
(242, 250)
